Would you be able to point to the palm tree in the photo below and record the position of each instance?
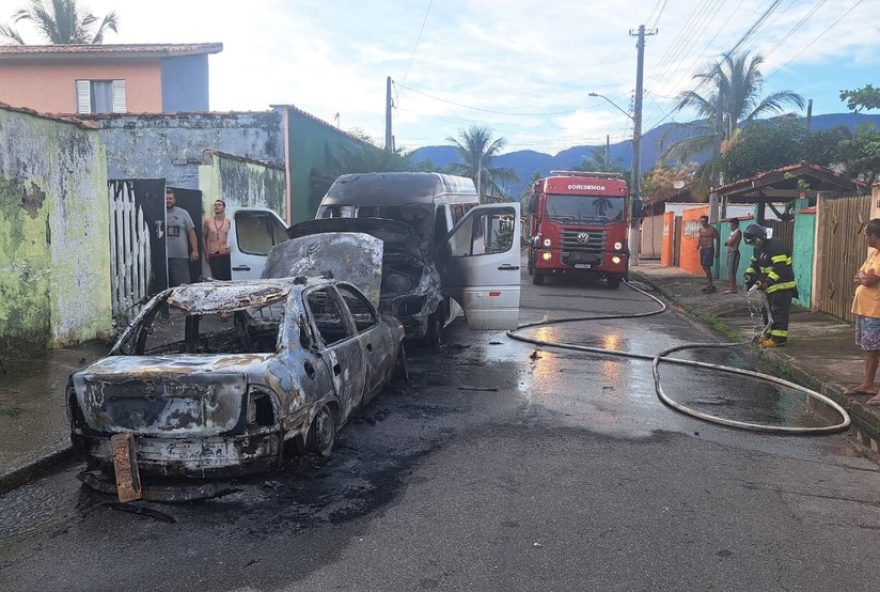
(599, 160)
(61, 23)
(730, 99)
(476, 151)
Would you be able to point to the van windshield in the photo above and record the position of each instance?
(585, 209)
(419, 216)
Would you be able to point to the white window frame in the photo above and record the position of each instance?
(84, 96)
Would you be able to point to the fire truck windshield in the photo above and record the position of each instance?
(585, 209)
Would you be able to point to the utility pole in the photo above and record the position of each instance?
(389, 141)
(608, 151)
(636, 192)
(810, 115)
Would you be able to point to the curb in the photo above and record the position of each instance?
(18, 476)
(865, 424)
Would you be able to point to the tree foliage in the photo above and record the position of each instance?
(344, 159)
(861, 99)
(727, 98)
(60, 22)
(599, 161)
(477, 149)
(861, 154)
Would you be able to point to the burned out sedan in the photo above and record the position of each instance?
(225, 378)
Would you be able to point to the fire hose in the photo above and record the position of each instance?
(663, 357)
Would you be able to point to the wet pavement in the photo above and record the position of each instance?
(501, 467)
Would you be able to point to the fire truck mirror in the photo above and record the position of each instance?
(531, 204)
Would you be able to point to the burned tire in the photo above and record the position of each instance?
(538, 278)
(400, 372)
(434, 330)
(613, 282)
(322, 435)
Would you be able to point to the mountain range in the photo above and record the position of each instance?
(527, 162)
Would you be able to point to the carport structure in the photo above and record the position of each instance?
(785, 185)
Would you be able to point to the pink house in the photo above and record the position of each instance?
(142, 78)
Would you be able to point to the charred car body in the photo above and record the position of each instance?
(224, 378)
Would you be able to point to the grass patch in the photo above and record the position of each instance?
(721, 327)
(10, 411)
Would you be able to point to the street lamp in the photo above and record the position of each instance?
(636, 193)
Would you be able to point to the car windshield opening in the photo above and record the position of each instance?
(419, 216)
(585, 209)
(169, 330)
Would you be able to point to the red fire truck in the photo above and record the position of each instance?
(579, 225)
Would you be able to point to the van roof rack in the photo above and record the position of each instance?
(595, 175)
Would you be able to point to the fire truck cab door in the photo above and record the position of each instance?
(480, 266)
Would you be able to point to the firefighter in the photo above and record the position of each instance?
(770, 270)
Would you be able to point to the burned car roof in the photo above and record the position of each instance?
(374, 189)
(211, 297)
(396, 235)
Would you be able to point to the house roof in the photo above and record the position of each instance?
(53, 116)
(782, 183)
(320, 121)
(103, 51)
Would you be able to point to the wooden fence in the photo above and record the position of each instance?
(129, 251)
(840, 251)
(784, 231)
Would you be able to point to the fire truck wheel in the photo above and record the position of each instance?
(613, 282)
(538, 278)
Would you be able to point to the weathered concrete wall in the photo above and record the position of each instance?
(169, 145)
(241, 183)
(54, 233)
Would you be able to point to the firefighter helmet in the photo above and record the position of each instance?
(754, 233)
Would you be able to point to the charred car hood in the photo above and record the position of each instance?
(397, 236)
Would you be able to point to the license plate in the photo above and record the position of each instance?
(128, 478)
(582, 266)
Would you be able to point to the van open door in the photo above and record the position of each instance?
(480, 266)
(253, 233)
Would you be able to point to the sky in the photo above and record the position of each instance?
(523, 68)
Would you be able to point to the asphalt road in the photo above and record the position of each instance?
(501, 468)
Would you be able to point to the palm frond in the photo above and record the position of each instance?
(111, 22)
(9, 32)
(776, 103)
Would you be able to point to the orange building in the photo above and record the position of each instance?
(143, 78)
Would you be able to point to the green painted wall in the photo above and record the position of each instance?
(802, 256)
(310, 141)
(745, 255)
(241, 183)
(54, 233)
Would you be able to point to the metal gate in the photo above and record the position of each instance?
(136, 253)
(840, 251)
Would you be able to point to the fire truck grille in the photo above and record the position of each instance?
(574, 240)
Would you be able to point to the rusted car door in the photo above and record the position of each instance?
(343, 348)
(379, 347)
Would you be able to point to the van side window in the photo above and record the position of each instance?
(457, 213)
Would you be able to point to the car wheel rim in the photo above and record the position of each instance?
(324, 432)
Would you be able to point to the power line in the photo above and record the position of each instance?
(463, 106)
(418, 40)
(751, 30)
(808, 45)
(659, 14)
(797, 26)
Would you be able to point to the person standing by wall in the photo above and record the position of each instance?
(708, 237)
(732, 244)
(866, 307)
(181, 244)
(215, 233)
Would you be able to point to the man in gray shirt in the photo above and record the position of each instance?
(181, 245)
